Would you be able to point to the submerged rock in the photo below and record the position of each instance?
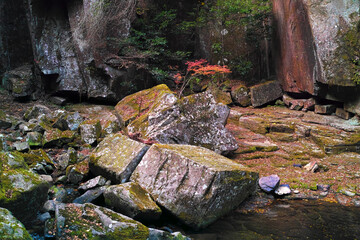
(195, 184)
(133, 201)
(11, 228)
(116, 157)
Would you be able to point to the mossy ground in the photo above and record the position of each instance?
(340, 169)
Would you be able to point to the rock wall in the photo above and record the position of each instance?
(15, 46)
(308, 43)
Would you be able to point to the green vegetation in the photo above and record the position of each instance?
(352, 49)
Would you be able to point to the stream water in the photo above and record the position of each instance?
(287, 220)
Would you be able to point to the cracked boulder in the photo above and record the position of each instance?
(195, 120)
(116, 157)
(195, 184)
(133, 201)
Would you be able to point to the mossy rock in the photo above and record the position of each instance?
(90, 131)
(255, 124)
(21, 191)
(133, 201)
(221, 96)
(138, 104)
(88, 221)
(55, 138)
(5, 122)
(34, 139)
(116, 157)
(11, 228)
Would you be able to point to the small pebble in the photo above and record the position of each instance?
(296, 191)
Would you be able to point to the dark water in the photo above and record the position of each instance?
(288, 220)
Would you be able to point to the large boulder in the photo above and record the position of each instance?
(139, 104)
(195, 184)
(311, 46)
(133, 201)
(11, 228)
(21, 191)
(89, 221)
(116, 157)
(265, 92)
(195, 120)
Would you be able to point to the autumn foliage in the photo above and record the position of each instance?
(199, 70)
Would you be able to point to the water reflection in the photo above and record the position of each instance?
(288, 220)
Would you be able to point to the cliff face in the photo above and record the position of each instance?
(15, 45)
(309, 43)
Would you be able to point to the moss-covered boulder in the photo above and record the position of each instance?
(5, 122)
(76, 173)
(196, 120)
(88, 221)
(21, 191)
(53, 137)
(116, 157)
(195, 184)
(34, 139)
(11, 228)
(90, 131)
(133, 201)
(39, 161)
(21, 81)
(241, 95)
(35, 111)
(109, 127)
(138, 104)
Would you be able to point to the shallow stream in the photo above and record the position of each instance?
(287, 220)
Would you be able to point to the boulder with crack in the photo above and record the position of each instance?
(195, 184)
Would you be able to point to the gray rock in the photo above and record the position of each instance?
(156, 234)
(49, 206)
(21, 146)
(90, 131)
(5, 122)
(133, 201)
(116, 157)
(98, 181)
(21, 81)
(76, 173)
(74, 121)
(265, 93)
(195, 184)
(269, 183)
(90, 221)
(35, 111)
(43, 217)
(90, 196)
(241, 96)
(11, 228)
(195, 120)
(25, 192)
(283, 189)
(58, 101)
(34, 139)
(46, 178)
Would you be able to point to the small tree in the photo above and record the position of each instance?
(200, 70)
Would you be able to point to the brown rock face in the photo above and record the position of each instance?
(311, 45)
(297, 67)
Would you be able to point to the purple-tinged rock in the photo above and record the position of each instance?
(269, 183)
